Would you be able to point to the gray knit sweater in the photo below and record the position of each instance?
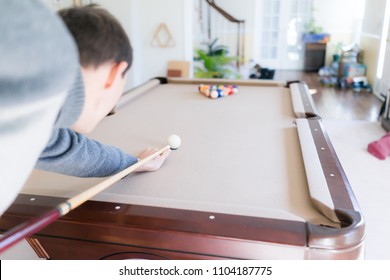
(38, 63)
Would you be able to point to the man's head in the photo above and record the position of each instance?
(105, 56)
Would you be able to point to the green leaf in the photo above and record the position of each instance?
(216, 63)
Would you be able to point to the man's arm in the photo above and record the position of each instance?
(72, 153)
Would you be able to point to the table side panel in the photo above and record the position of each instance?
(352, 230)
(153, 228)
(302, 101)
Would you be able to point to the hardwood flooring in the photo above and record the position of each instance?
(336, 104)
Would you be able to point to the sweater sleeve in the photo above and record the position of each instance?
(71, 153)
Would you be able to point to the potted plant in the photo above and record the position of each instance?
(215, 62)
(314, 33)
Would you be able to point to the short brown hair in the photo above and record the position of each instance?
(99, 36)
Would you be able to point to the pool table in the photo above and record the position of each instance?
(256, 177)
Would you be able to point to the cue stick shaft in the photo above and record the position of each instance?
(32, 226)
(75, 201)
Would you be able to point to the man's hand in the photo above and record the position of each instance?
(153, 164)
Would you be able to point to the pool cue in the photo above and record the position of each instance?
(32, 226)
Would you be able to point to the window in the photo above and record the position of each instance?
(279, 32)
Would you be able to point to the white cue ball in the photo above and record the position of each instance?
(174, 142)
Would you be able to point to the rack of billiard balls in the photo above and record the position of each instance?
(217, 91)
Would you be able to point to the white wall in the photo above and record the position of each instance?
(337, 16)
(342, 19)
(373, 17)
(371, 42)
(140, 19)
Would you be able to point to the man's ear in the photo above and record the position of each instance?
(115, 73)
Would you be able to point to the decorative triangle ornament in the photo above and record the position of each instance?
(162, 37)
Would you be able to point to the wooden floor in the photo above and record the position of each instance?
(336, 104)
